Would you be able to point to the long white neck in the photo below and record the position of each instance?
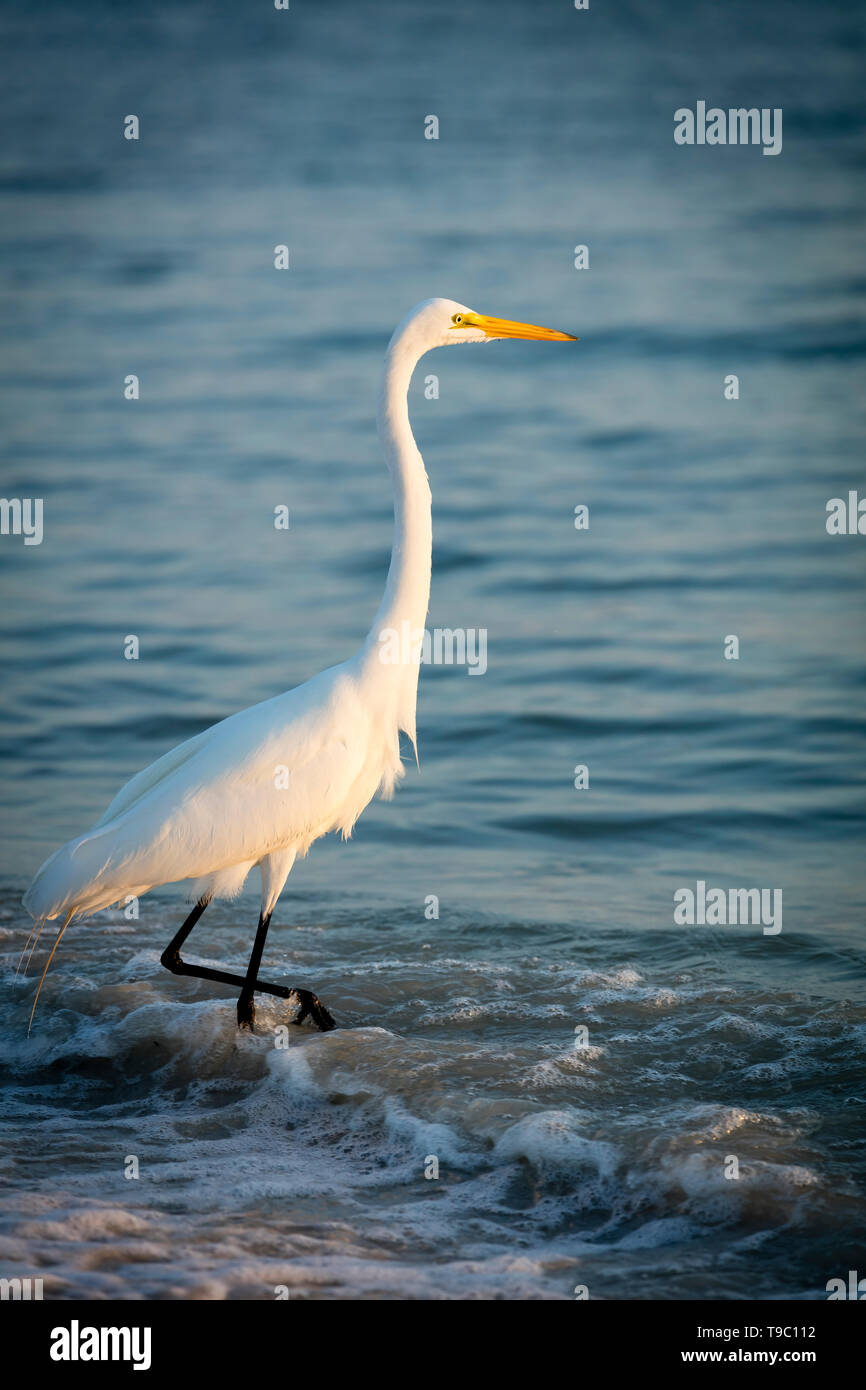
(407, 592)
(403, 609)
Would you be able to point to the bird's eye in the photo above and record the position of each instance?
(458, 318)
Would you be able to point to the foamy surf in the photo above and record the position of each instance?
(484, 1123)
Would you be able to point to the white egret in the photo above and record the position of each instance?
(211, 809)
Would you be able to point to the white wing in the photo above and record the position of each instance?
(271, 777)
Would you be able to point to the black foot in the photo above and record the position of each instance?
(246, 1013)
(312, 1006)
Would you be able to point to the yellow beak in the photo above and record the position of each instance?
(508, 328)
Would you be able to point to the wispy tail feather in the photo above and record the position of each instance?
(33, 935)
(45, 971)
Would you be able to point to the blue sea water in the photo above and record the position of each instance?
(602, 1166)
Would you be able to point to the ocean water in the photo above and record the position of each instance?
(305, 1166)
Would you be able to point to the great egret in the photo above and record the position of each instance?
(217, 805)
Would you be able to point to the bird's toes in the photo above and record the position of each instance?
(322, 1017)
(312, 1007)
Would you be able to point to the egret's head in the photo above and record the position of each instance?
(441, 322)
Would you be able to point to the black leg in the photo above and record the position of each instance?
(246, 1007)
(172, 960)
(170, 957)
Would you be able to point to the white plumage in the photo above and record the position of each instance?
(259, 787)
